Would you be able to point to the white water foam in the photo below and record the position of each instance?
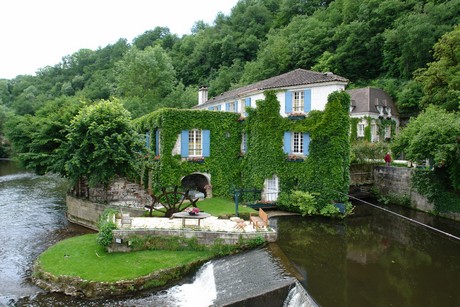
(298, 297)
(202, 292)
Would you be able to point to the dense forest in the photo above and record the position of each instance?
(409, 48)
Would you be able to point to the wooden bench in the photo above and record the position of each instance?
(259, 220)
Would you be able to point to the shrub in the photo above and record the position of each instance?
(306, 202)
(106, 225)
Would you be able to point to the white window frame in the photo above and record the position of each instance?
(243, 142)
(361, 128)
(271, 189)
(374, 132)
(195, 143)
(297, 143)
(298, 101)
(177, 148)
(387, 132)
(232, 107)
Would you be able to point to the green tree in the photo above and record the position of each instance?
(101, 144)
(37, 139)
(147, 75)
(408, 43)
(426, 138)
(441, 80)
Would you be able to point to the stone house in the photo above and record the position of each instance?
(377, 113)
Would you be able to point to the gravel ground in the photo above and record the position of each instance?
(211, 223)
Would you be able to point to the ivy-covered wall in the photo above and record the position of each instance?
(167, 169)
(381, 123)
(324, 170)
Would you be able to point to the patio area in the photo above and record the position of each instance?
(211, 223)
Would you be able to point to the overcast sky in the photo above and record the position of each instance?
(38, 33)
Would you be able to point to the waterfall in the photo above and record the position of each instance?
(200, 293)
(298, 297)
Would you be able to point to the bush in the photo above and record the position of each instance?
(364, 152)
(106, 225)
(306, 202)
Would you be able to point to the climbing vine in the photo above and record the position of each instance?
(325, 171)
(166, 169)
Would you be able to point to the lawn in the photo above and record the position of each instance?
(82, 256)
(217, 207)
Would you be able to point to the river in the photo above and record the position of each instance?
(370, 259)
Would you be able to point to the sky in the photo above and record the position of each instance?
(38, 33)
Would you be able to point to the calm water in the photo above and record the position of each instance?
(371, 259)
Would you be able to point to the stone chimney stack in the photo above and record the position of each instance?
(202, 95)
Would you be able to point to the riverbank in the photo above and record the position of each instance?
(81, 268)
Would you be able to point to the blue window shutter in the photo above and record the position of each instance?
(227, 106)
(287, 142)
(306, 144)
(147, 139)
(184, 143)
(236, 106)
(206, 135)
(307, 100)
(157, 142)
(210, 108)
(247, 103)
(288, 102)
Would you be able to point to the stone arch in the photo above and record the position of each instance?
(200, 182)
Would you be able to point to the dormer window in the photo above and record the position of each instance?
(388, 110)
(380, 109)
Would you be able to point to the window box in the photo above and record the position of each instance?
(156, 158)
(195, 159)
(297, 116)
(295, 158)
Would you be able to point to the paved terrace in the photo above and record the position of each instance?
(211, 223)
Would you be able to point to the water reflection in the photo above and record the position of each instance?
(372, 258)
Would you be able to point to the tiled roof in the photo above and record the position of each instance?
(363, 100)
(292, 78)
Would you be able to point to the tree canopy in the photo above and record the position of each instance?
(433, 135)
(101, 143)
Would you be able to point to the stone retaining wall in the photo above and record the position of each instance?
(87, 213)
(77, 287)
(397, 181)
(123, 236)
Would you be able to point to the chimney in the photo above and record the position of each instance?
(202, 95)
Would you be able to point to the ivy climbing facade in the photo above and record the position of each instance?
(286, 133)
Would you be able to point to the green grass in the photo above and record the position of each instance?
(216, 207)
(82, 256)
(219, 206)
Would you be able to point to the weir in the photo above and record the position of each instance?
(253, 278)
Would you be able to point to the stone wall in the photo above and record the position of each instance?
(87, 213)
(75, 286)
(397, 181)
(122, 237)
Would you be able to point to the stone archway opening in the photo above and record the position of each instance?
(197, 183)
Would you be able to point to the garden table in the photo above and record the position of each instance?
(186, 216)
